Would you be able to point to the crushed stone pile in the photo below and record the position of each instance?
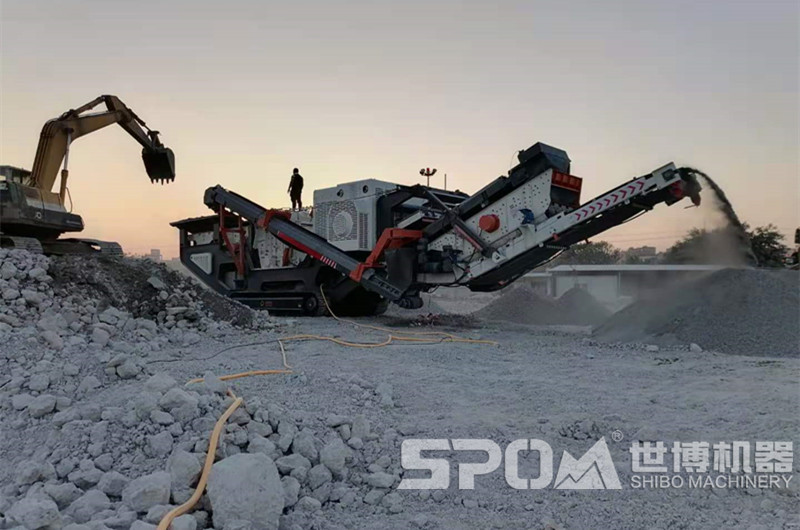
(737, 311)
(93, 435)
(523, 305)
(580, 307)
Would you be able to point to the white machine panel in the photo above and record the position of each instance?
(533, 196)
(203, 260)
(273, 253)
(345, 214)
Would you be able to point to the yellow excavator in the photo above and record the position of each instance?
(33, 216)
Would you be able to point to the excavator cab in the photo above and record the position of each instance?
(159, 162)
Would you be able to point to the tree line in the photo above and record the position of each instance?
(718, 246)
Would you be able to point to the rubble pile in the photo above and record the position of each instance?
(121, 455)
(71, 301)
(93, 435)
(145, 289)
(737, 311)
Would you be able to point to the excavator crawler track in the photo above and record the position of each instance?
(83, 247)
(23, 243)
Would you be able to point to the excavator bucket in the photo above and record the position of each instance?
(159, 163)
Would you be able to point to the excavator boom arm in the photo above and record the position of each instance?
(57, 135)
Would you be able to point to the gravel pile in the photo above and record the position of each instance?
(578, 306)
(737, 311)
(95, 435)
(523, 305)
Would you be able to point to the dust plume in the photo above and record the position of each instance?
(742, 240)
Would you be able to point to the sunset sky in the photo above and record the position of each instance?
(243, 91)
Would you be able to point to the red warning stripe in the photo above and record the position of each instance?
(311, 252)
(299, 246)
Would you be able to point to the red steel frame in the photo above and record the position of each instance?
(390, 238)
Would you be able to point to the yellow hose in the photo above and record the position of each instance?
(423, 337)
(393, 335)
(415, 335)
(240, 375)
(201, 484)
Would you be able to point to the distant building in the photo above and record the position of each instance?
(155, 255)
(644, 254)
(615, 286)
(540, 282)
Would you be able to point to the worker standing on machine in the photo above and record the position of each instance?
(296, 190)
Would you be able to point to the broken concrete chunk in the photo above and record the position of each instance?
(287, 464)
(308, 504)
(160, 444)
(291, 490)
(319, 475)
(380, 480)
(303, 444)
(92, 502)
(184, 469)
(184, 522)
(157, 283)
(246, 487)
(333, 456)
(63, 494)
(33, 512)
(42, 406)
(112, 483)
(145, 492)
(176, 398)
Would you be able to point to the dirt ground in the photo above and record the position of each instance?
(556, 385)
(95, 405)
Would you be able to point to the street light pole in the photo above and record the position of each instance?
(427, 173)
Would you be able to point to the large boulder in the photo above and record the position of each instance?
(33, 512)
(184, 470)
(145, 492)
(333, 456)
(42, 405)
(246, 487)
(112, 483)
(92, 502)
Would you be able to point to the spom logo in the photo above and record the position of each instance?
(594, 470)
